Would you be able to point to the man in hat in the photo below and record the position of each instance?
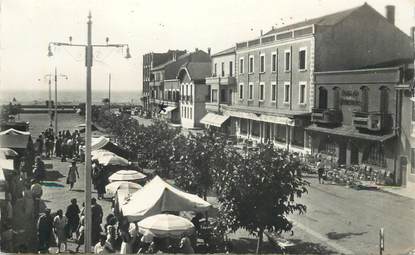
(44, 230)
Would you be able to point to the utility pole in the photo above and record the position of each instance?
(88, 63)
(50, 103)
(109, 92)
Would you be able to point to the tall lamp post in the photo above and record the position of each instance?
(49, 76)
(88, 63)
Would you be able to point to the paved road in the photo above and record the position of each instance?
(348, 221)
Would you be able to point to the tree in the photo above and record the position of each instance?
(258, 191)
(197, 157)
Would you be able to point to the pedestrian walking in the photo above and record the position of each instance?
(59, 227)
(80, 234)
(72, 213)
(320, 171)
(97, 214)
(73, 172)
(44, 230)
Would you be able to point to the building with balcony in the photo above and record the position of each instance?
(151, 60)
(357, 117)
(193, 90)
(276, 96)
(221, 85)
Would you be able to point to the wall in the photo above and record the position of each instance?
(352, 82)
(406, 141)
(280, 76)
(223, 59)
(362, 39)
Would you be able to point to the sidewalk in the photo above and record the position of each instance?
(408, 191)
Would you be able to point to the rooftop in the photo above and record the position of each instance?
(225, 52)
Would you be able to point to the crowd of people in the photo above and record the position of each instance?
(65, 144)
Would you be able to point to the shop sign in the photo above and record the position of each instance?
(350, 97)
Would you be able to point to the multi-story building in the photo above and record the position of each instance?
(357, 118)
(192, 79)
(151, 60)
(275, 92)
(221, 86)
(166, 88)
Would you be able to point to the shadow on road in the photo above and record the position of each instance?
(78, 190)
(301, 247)
(337, 236)
(53, 175)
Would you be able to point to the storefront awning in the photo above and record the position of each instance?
(168, 109)
(262, 117)
(214, 119)
(350, 131)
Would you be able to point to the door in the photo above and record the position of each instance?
(322, 98)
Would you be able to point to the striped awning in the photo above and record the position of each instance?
(214, 119)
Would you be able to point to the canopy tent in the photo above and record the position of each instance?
(158, 196)
(112, 160)
(103, 143)
(100, 153)
(7, 152)
(13, 138)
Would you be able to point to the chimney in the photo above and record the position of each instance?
(209, 51)
(390, 13)
(174, 57)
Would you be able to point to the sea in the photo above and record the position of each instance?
(69, 96)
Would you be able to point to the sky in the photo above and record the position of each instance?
(27, 26)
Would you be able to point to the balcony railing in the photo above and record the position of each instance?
(227, 80)
(373, 121)
(326, 116)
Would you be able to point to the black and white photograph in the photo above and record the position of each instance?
(207, 127)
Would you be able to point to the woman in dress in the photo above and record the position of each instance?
(59, 228)
(73, 172)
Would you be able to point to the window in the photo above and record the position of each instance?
(214, 95)
(185, 112)
(256, 128)
(286, 92)
(215, 70)
(336, 98)
(274, 62)
(251, 91)
(301, 96)
(187, 90)
(241, 65)
(273, 92)
(262, 63)
(241, 91)
(364, 100)
(243, 126)
(230, 68)
(209, 93)
(251, 64)
(222, 69)
(261, 91)
(169, 96)
(191, 90)
(182, 111)
(223, 95)
(302, 59)
(298, 137)
(280, 133)
(384, 100)
(287, 61)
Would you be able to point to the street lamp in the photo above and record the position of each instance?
(88, 63)
(56, 97)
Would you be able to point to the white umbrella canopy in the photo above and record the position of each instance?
(115, 186)
(101, 153)
(166, 225)
(6, 152)
(112, 160)
(126, 175)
